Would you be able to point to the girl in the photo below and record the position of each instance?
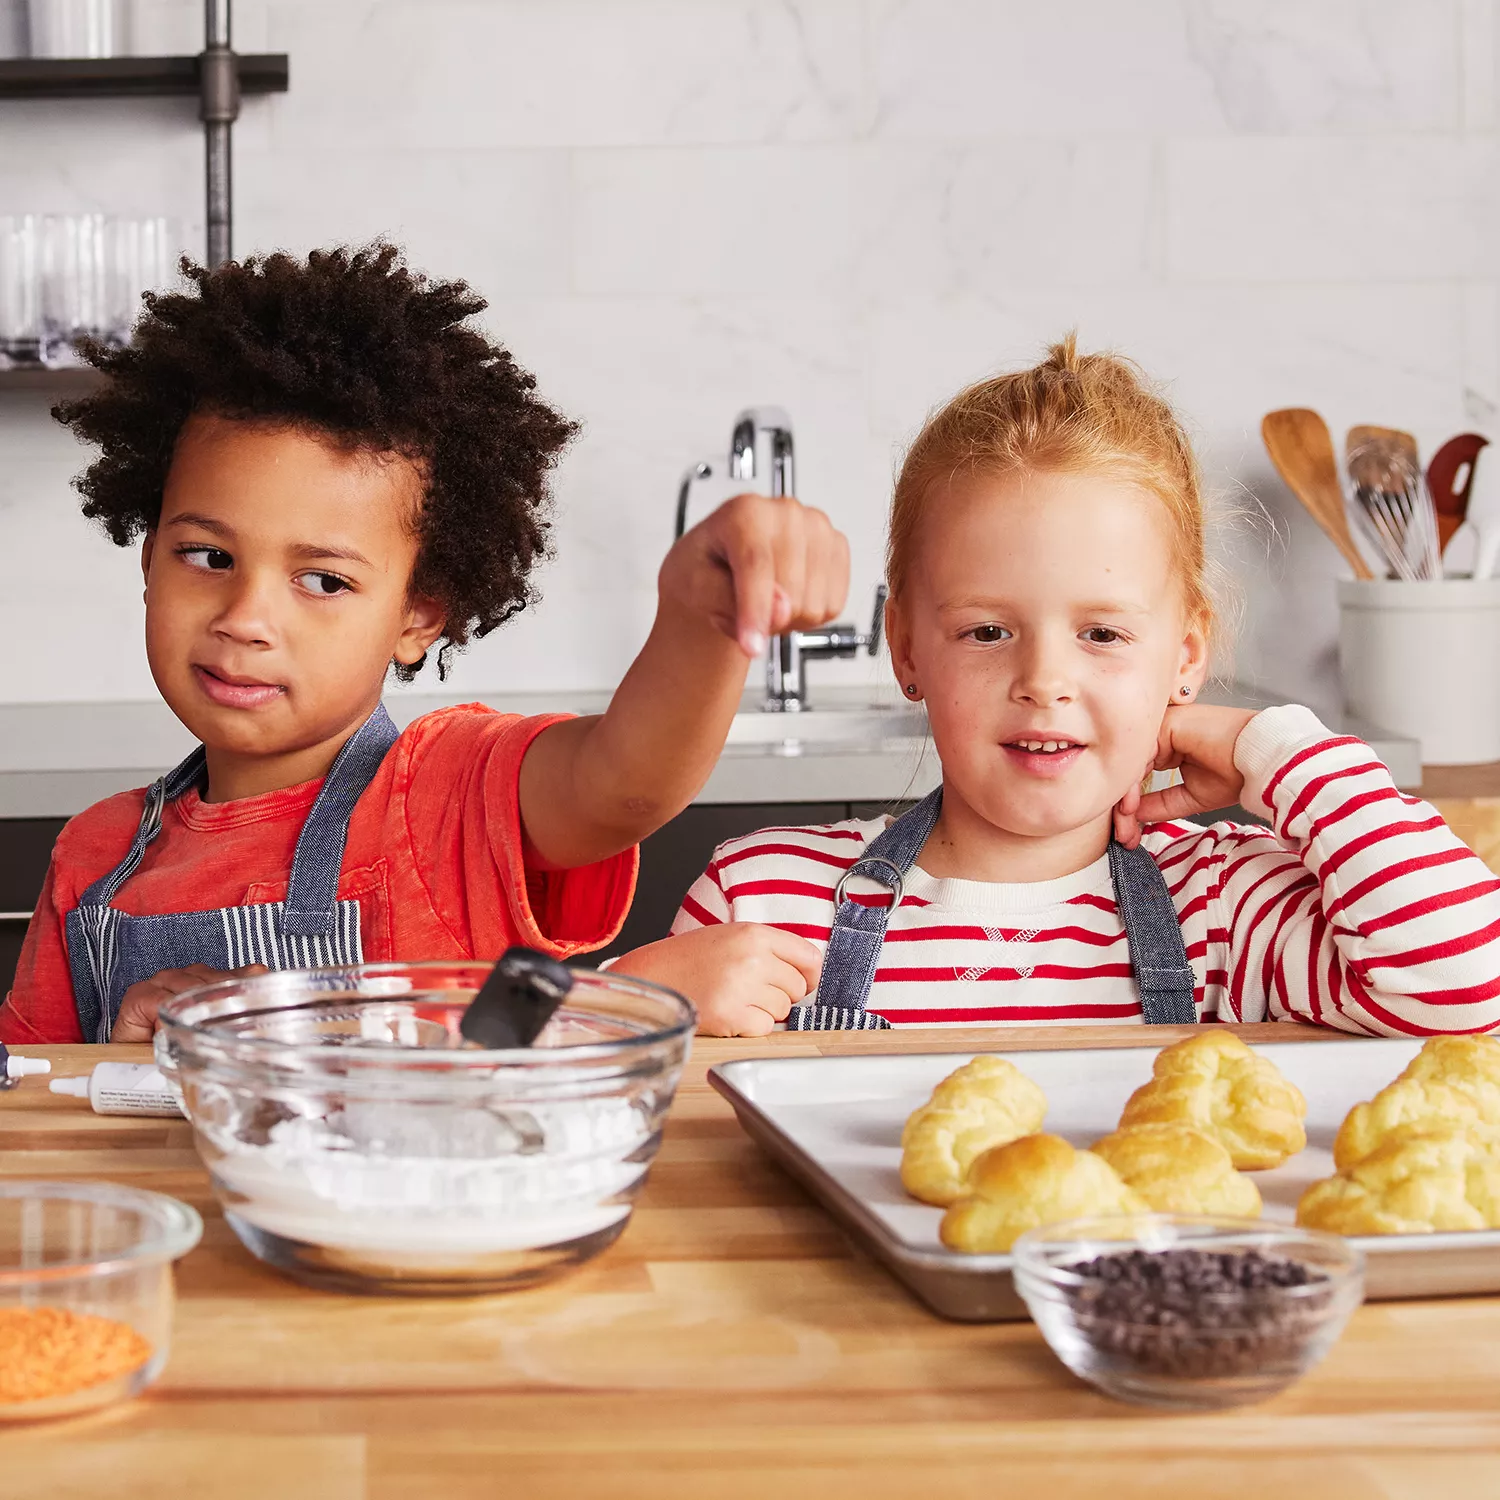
(1048, 604)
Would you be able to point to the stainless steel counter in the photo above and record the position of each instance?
(57, 759)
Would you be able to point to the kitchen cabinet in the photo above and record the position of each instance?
(25, 848)
(675, 856)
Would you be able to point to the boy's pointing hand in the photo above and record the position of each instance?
(755, 568)
(759, 566)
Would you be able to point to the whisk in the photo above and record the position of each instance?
(1393, 508)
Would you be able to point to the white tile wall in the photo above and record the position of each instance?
(847, 207)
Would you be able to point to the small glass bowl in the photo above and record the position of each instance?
(356, 1143)
(88, 1250)
(1212, 1349)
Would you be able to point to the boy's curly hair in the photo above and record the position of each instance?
(355, 345)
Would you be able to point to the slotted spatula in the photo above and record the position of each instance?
(1301, 447)
(1452, 463)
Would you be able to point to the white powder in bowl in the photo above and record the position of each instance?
(431, 1179)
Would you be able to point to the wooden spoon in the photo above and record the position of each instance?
(1301, 447)
(1450, 500)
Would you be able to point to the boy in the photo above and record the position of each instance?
(334, 472)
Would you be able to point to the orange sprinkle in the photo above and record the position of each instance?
(48, 1351)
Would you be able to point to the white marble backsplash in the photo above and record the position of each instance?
(845, 207)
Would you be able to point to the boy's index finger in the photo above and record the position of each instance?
(746, 548)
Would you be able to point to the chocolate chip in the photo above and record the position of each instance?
(1196, 1313)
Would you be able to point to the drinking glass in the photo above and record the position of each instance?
(20, 290)
(138, 256)
(78, 28)
(73, 283)
(66, 277)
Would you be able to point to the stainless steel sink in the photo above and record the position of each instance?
(821, 730)
(861, 729)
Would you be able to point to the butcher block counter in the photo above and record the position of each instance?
(730, 1346)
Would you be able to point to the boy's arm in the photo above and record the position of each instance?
(756, 567)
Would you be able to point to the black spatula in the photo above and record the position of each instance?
(521, 995)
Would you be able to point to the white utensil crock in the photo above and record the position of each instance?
(1423, 659)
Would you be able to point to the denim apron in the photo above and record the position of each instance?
(109, 950)
(1152, 931)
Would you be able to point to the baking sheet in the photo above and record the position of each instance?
(835, 1123)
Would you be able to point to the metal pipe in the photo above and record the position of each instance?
(219, 107)
(783, 481)
(748, 426)
(742, 448)
(783, 652)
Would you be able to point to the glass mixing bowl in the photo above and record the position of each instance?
(86, 1293)
(356, 1142)
(1194, 1346)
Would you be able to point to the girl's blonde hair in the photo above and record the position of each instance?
(1073, 413)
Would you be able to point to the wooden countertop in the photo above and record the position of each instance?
(1468, 797)
(1460, 783)
(730, 1346)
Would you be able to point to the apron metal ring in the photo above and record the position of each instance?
(872, 859)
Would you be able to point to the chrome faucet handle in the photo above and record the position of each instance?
(845, 639)
(787, 655)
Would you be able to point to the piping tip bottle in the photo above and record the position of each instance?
(14, 1069)
(118, 1088)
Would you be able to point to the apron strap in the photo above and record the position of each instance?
(1153, 933)
(312, 890)
(313, 887)
(859, 930)
(187, 774)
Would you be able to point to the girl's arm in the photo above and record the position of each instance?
(706, 904)
(742, 976)
(1368, 913)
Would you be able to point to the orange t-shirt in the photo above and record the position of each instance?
(436, 858)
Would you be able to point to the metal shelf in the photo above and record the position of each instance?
(132, 77)
(69, 380)
(217, 77)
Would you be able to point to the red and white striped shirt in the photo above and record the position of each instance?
(1358, 909)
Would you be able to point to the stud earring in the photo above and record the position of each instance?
(1186, 691)
(911, 690)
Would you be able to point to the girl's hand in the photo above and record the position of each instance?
(743, 977)
(1198, 739)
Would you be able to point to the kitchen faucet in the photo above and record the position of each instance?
(786, 677)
